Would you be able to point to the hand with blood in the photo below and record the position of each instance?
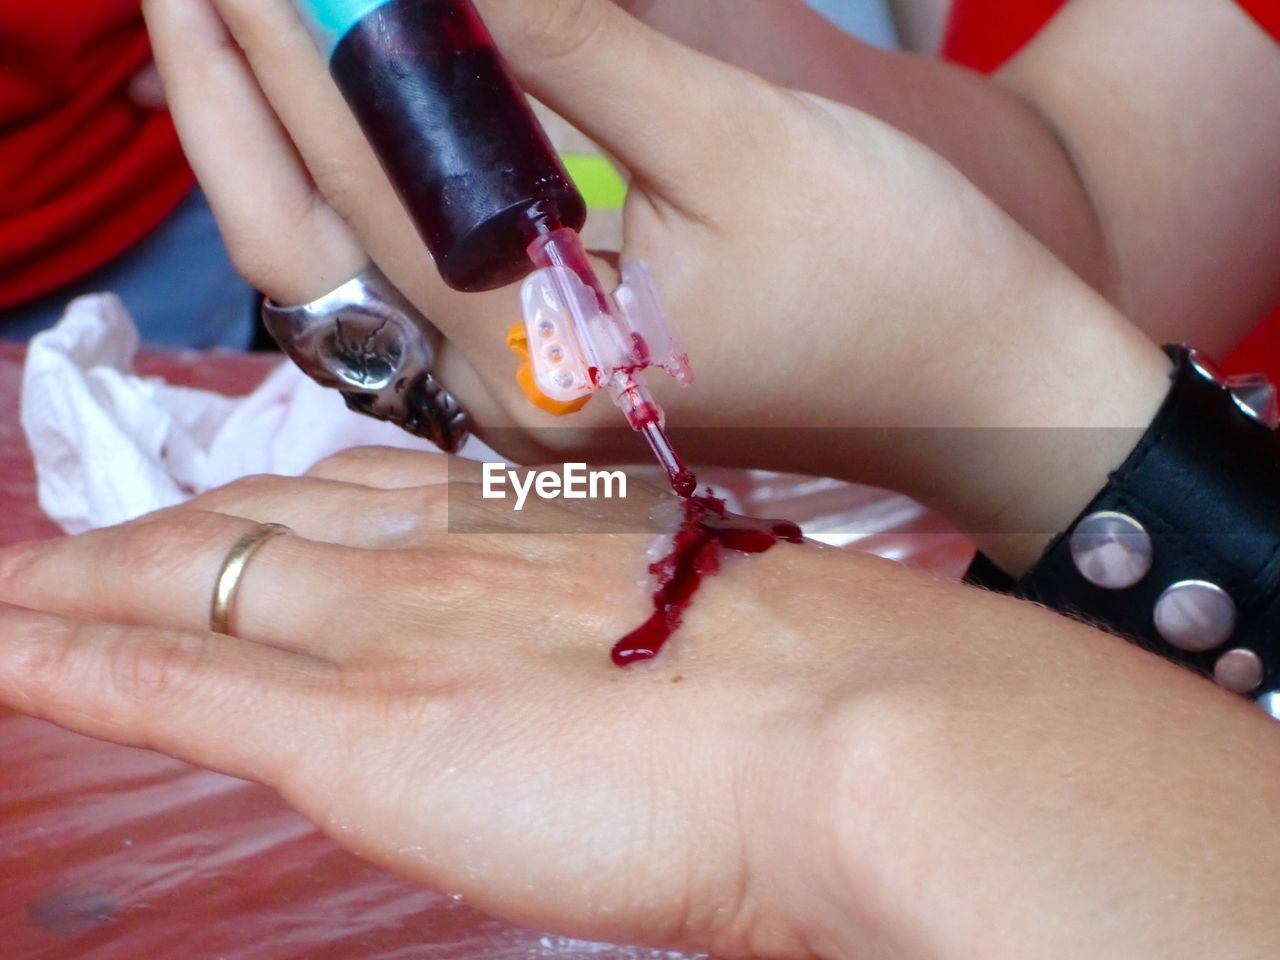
(831, 756)
(442, 703)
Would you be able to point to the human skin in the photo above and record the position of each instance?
(856, 761)
(1142, 160)
(878, 289)
(837, 757)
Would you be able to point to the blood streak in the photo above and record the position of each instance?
(707, 531)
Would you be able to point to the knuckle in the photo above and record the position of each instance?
(166, 542)
(17, 562)
(346, 461)
(459, 579)
(40, 657)
(560, 29)
(429, 503)
(239, 494)
(153, 667)
(437, 581)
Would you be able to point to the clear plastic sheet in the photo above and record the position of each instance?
(108, 853)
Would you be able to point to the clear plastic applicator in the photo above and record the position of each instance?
(583, 340)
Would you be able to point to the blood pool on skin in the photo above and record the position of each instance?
(707, 530)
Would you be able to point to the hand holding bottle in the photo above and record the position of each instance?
(825, 271)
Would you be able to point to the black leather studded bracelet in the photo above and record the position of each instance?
(1181, 551)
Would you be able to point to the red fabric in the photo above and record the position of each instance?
(983, 34)
(84, 173)
(1261, 349)
(1266, 12)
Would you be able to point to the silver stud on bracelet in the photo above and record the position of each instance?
(1239, 670)
(1111, 550)
(1195, 615)
(1256, 397)
(1204, 366)
(1270, 703)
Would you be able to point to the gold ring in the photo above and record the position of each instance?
(224, 592)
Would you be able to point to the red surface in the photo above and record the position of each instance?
(108, 853)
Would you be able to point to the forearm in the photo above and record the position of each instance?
(1011, 784)
(1165, 110)
(1066, 410)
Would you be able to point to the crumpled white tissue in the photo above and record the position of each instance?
(110, 446)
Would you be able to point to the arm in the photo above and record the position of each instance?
(1167, 111)
(828, 273)
(1142, 160)
(836, 757)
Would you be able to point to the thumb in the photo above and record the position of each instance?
(665, 111)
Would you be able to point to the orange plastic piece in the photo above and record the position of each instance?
(519, 344)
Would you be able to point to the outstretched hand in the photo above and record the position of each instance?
(444, 704)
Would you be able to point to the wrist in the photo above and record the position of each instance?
(821, 813)
(793, 744)
(1023, 800)
(1075, 409)
(818, 845)
(846, 904)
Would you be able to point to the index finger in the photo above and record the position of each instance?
(280, 236)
